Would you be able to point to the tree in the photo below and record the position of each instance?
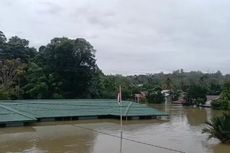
(72, 65)
(96, 85)
(196, 95)
(17, 48)
(2, 41)
(175, 94)
(155, 95)
(215, 87)
(168, 84)
(10, 73)
(36, 86)
(224, 101)
(16, 41)
(10, 70)
(219, 127)
(2, 38)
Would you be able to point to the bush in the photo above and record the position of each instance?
(221, 104)
(9, 93)
(199, 101)
(4, 94)
(196, 95)
(219, 127)
(175, 95)
(155, 96)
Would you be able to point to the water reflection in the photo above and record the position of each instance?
(196, 117)
(221, 148)
(55, 138)
(187, 123)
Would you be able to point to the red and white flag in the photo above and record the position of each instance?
(119, 99)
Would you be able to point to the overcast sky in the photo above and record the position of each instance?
(130, 36)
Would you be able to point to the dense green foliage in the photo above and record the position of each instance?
(219, 127)
(155, 95)
(196, 95)
(66, 68)
(37, 82)
(11, 74)
(71, 65)
(224, 101)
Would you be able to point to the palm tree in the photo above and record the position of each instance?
(219, 127)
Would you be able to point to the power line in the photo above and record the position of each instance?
(128, 139)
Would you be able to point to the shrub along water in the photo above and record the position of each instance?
(219, 127)
(223, 103)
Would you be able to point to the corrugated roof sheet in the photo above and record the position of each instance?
(8, 114)
(24, 110)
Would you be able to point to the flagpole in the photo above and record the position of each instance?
(121, 124)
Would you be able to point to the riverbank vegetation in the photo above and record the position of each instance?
(219, 127)
(66, 68)
(223, 103)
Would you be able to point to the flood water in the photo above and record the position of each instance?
(182, 132)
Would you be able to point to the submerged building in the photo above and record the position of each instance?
(23, 112)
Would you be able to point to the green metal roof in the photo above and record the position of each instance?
(24, 110)
(8, 114)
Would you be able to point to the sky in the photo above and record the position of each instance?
(130, 36)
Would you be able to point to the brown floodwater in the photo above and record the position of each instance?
(182, 132)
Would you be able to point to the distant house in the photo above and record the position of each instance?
(140, 96)
(181, 98)
(167, 95)
(210, 98)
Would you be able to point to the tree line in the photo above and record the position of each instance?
(66, 68)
